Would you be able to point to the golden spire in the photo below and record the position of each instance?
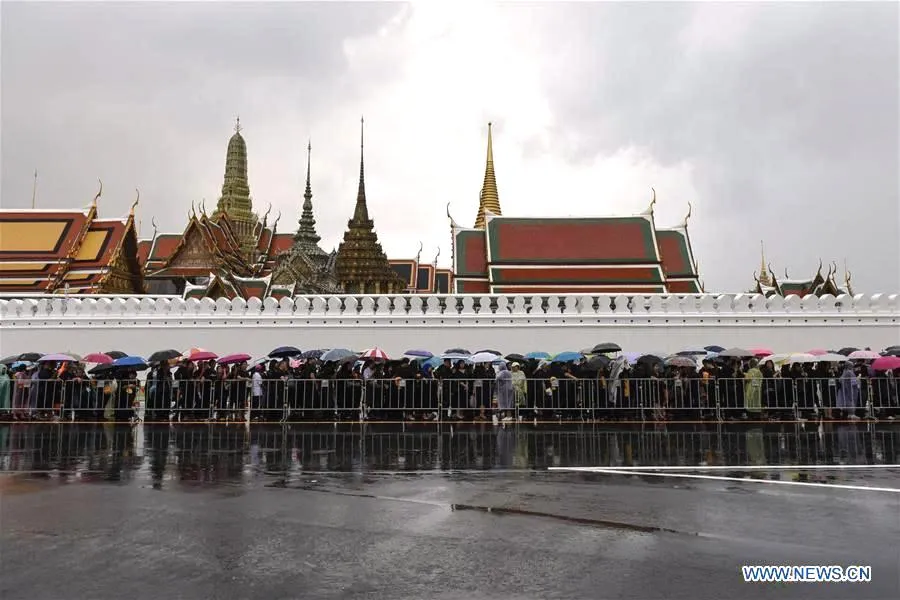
(763, 272)
(490, 200)
(134, 204)
(99, 193)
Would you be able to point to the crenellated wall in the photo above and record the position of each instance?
(141, 325)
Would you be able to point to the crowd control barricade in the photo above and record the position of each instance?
(541, 399)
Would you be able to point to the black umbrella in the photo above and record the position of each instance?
(714, 348)
(515, 358)
(489, 352)
(30, 356)
(892, 351)
(114, 354)
(649, 359)
(606, 347)
(10, 360)
(597, 363)
(313, 354)
(350, 359)
(163, 355)
(847, 351)
(457, 351)
(99, 369)
(285, 352)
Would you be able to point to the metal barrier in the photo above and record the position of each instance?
(467, 399)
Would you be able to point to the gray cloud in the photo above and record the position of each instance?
(787, 115)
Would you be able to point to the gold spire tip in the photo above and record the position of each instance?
(237, 125)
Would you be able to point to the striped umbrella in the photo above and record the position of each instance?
(375, 353)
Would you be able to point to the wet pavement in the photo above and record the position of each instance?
(94, 511)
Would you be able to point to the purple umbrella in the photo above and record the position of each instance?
(56, 358)
(422, 353)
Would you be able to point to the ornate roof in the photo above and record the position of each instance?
(818, 285)
(48, 250)
(235, 199)
(361, 265)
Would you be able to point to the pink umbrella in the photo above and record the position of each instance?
(760, 352)
(864, 355)
(375, 353)
(886, 363)
(234, 358)
(98, 358)
(198, 354)
(817, 352)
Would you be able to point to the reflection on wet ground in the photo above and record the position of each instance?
(214, 453)
(94, 511)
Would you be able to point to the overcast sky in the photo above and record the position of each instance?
(778, 121)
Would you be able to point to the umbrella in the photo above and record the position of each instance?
(163, 355)
(736, 353)
(497, 352)
(892, 351)
(484, 357)
(420, 353)
(692, 352)
(234, 358)
(20, 364)
(597, 363)
(130, 362)
(830, 357)
(801, 357)
(760, 352)
(886, 363)
(56, 358)
(817, 352)
(114, 354)
(847, 351)
(862, 355)
(101, 369)
(455, 357)
(538, 355)
(375, 353)
(198, 354)
(606, 347)
(457, 351)
(10, 360)
(649, 359)
(681, 361)
(31, 356)
(98, 358)
(285, 351)
(568, 357)
(336, 354)
(714, 349)
(516, 358)
(313, 353)
(432, 363)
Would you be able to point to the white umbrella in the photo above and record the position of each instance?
(484, 357)
(864, 355)
(831, 357)
(801, 357)
(736, 353)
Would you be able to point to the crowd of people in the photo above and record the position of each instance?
(305, 387)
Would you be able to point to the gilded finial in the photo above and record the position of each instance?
(649, 211)
(275, 224)
(489, 199)
(419, 253)
(99, 193)
(237, 125)
(786, 276)
(436, 256)
(453, 223)
(153, 222)
(137, 200)
(193, 210)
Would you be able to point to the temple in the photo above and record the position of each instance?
(235, 253)
(510, 255)
(818, 285)
(69, 251)
(361, 266)
(422, 277)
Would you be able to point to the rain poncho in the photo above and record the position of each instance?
(753, 390)
(504, 388)
(4, 389)
(520, 383)
(848, 389)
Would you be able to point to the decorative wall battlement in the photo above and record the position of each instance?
(398, 322)
(468, 306)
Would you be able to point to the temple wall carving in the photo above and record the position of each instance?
(399, 322)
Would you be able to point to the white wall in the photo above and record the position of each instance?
(141, 325)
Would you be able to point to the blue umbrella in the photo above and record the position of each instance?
(422, 353)
(20, 364)
(131, 362)
(285, 352)
(568, 357)
(337, 354)
(432, 363)
(538, 355)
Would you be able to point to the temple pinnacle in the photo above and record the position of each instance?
(361, 212)
(490, 199)
(306, 235)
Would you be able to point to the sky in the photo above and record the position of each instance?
(778, 122)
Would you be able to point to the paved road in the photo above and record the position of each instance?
(160, 514)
